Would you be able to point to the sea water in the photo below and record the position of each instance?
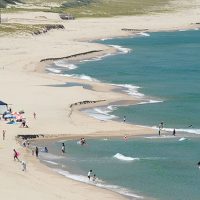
(151, 167)
(163, 71)
(164, 66)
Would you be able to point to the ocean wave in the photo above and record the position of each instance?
(182, 139)
(82, 76)
(150, 101)
(124, 158)
(65, 64)
(121, 49)
(104, 39)
(144, 34)
(98, 183)
(49, 156)
(51, 162)
(53, 70)
(160, 137)
(130, 89)
(97, 58)
(119, 190)
(187, 130)
(101, 113)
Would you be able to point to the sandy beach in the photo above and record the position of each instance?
(25, 86)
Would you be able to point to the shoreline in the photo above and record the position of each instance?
(41, 142)
(27, 91)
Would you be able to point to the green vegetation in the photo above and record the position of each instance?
(97, 8)
(109, 8)
(4, 3)
(12, 29)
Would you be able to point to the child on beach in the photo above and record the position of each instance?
(23, 165)
(94, 178)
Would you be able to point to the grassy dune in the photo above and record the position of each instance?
(99, 8)
(12, 29)
(109, 8)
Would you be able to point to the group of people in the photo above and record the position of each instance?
(161, 126)
(82, 141)
(16, 157)
(90, 177)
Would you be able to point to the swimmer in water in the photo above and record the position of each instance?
(125, 138)
(198, 164)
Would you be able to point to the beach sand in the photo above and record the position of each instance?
(24, 87)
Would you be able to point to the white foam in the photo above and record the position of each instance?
(182, 139)
(98, 183)
(97, 58)
(65, 64)
(101, 113)
(144, 34)
(124, 158)
(150, 101)
(104, 39)
(159, 137)
(121, 49)
(186, 130)
(130, 89)
(120, 190)
(56, 71)
(49, 156)
(51, 162)
(82, 76)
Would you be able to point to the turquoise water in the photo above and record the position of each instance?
(150, 167)
(166, 66)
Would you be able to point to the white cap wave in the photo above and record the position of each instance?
(120, 156)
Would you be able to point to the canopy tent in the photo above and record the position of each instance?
(3, 107)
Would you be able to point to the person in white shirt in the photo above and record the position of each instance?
(89, 174)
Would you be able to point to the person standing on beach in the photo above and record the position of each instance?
(36, 151)
(34, 115)
(124, 118)
(4, 134)
(160, 127)
(174, 132)
(89, 174)
(16, 154)
(63, 148)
